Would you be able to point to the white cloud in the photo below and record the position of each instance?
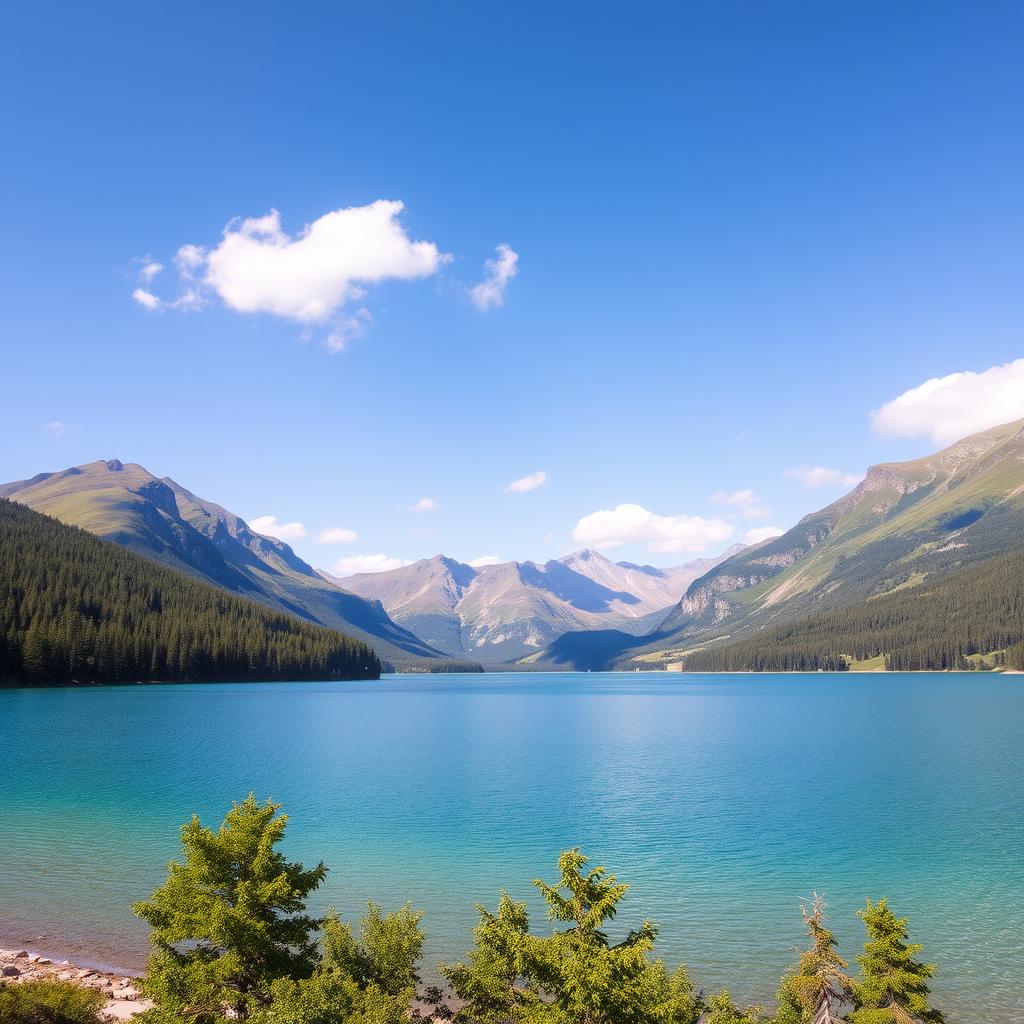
(337, 535)
(479, 563)
(56, 428)
(146, 299)
(948, 408)
(149, 270)
(821, 476)
(348, 328)
(633, 524)
(309, 277)
(527, 483)
(760, 533)
(490, 292)
(270, 527)
(745, 501)
(424, 505)
(366, 563)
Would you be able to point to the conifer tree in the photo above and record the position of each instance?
(230, 919)
(819, 977)
(893, 988)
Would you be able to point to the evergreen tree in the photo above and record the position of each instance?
(575, 975)
(230, 919)
(893, 988)
(819, 977)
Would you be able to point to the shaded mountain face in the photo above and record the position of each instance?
(498, 613)
(124, 503)
(904, 524)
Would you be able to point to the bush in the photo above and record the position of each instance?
(49, 1002)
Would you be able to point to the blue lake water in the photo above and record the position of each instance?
(723, 799)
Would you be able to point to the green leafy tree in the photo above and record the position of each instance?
(366, 980)
(46, 1001)
(893, 988)
(820, 976)
(575, 975)
(722, 1010)
(230, 919)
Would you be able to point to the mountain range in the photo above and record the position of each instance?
(905, 527)
(498, 613)
(158, 518)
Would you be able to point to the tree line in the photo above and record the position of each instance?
(233, 941)
(74, 608)
(944, 625)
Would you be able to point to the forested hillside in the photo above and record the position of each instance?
(947, 625)
(75, 608)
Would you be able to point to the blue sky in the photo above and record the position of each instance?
(740, 228)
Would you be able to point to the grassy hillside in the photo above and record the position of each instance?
(77, 609)
(972, 619)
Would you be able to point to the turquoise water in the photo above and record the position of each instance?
(723, 799)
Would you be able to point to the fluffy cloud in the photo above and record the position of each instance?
(527, 483)
(310, 277)
(820, 476)
(479, 563)
(633, 524)
(366, 563)
(337, 535)
(948, 408)
(745, 501)
(270, 527)
(490, 292)
(760, 533)
(424, 505)
(56, 428)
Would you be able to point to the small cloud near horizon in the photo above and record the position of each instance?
(822, 476)
(424, 505)
(945, 409)
(760, 533)
(483, 560)
(270, 527)
(633, 524)
(528, 483)
(337, 535)
(746, 502)
(353, 564)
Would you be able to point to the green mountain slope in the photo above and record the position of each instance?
(973, 618)
(77, 609)
(160, 519)
(905, 525)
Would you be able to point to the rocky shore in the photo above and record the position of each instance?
(123, 998)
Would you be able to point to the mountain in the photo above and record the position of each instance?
(74, 608)
(497, 613)
(904, 525)
(970, 619)
(158, 518)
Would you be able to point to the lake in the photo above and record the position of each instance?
(723, 799)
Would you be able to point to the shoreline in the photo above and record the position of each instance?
(19, 964)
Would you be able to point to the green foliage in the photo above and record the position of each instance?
(940, 626)
(820, 976)
(722, 1010)
(77, 609)
(893, 988)
(49, 1002)
(229, 921)
(575, 975)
